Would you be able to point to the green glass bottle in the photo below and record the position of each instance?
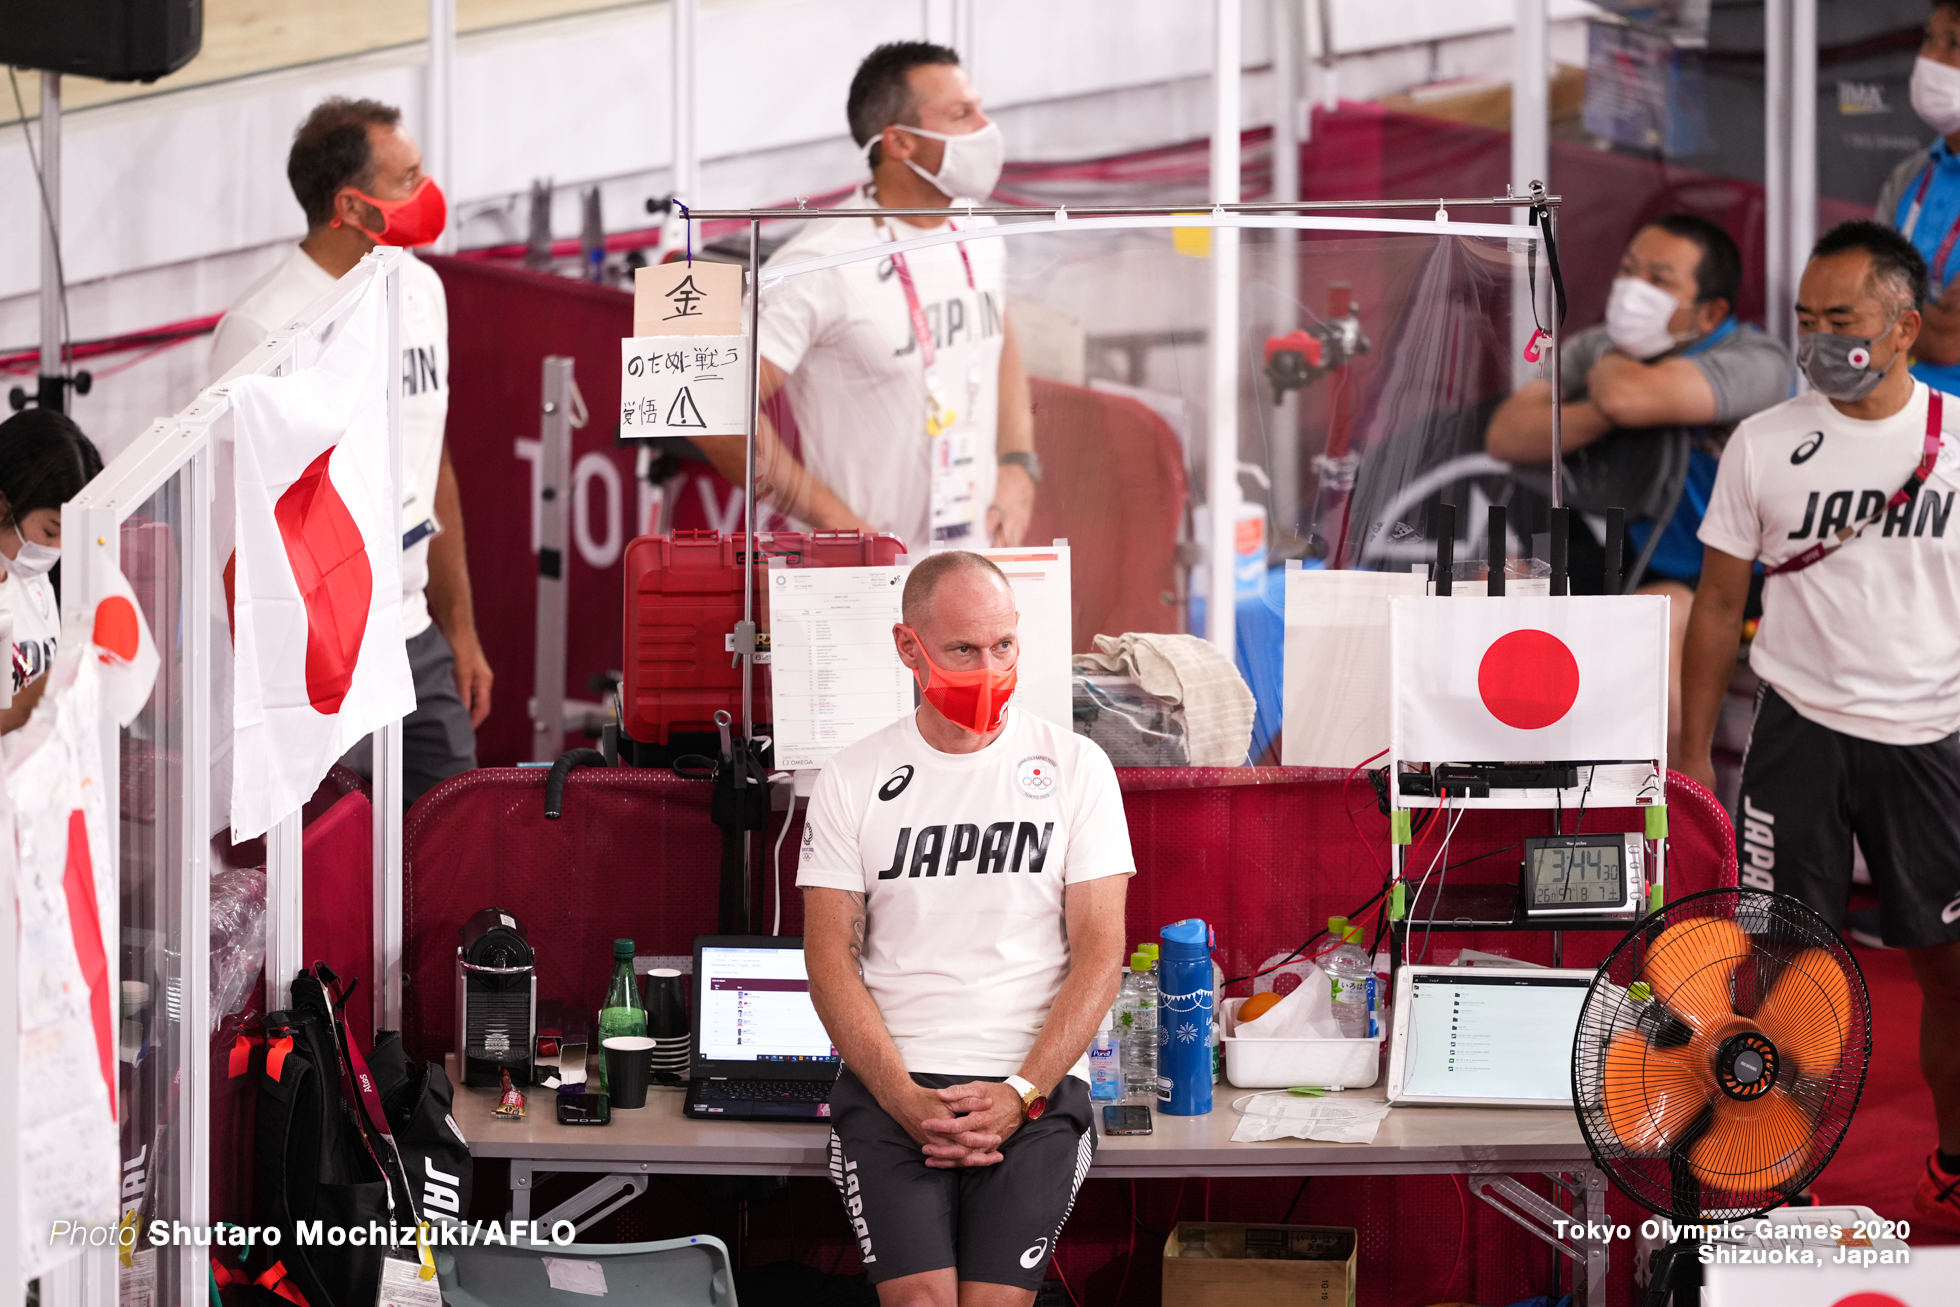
(624, 1013)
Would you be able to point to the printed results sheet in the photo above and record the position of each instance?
(834, 673)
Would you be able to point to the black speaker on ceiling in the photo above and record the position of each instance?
(114, 40)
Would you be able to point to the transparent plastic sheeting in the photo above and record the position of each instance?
(1370, 356)
(153, 1044)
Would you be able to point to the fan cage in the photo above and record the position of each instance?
(1660, 1173)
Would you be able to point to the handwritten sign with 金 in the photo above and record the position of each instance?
(688, 299)
(685, 369)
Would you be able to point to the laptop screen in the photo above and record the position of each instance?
(1502, 1033)
(755, 1007)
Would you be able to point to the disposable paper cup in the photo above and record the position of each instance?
(629, 1066)
(665, 995)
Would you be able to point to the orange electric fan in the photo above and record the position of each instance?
(1720, 1054)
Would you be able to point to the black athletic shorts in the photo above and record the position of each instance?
(1807, 790)
(995, 1224)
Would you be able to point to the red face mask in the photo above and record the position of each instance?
(410, 223)
(974, 701)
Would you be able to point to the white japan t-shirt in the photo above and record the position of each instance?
(1867, 640)
(37, 625)
(962, 859)
(857, 378)
(275, 299)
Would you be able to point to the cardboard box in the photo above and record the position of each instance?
(1259, 1265)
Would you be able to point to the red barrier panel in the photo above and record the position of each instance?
(1267, 854)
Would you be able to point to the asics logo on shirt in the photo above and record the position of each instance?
(1951, 912)
(894, 787)
(1924, 514)
(1801, 454)
(1032, 1257)
(988, 851)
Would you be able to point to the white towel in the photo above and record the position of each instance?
(1218, 706)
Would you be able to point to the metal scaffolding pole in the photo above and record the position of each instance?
(1222, 461)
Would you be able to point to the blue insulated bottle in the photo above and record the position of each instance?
(1184, 1019)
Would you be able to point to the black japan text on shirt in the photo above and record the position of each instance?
(987, 850)
(1924, 514)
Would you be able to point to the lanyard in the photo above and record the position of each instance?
(1912, 221)
(921, 331)
(939, 418)
(1844, 534)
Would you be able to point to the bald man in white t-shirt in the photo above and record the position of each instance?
(963, 873)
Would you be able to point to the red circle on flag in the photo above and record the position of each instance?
(1868, 1299)
(115, 627)
(1528, 679)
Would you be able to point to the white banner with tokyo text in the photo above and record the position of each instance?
(683, 386)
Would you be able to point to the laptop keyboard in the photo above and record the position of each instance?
(764, 1091)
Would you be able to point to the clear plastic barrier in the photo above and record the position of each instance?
(1368, 363)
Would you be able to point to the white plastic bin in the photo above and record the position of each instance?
(1283, 1063)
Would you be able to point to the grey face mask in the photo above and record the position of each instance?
(1839, 367)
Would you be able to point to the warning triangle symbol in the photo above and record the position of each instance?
(684, 412)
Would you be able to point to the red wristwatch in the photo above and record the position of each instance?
(1033, 1101)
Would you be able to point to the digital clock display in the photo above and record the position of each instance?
(1586, 875)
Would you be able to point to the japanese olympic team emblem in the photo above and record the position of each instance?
(1037, 776)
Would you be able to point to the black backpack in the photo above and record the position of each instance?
(418, 1099)
(312, 1162)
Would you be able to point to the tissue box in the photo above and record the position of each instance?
(1259, 1266)
(1282, 1063)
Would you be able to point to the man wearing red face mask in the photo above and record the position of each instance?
(359, 178)
(963, 877)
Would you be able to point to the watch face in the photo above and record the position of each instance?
(1036, 1106)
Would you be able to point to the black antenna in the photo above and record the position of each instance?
(1561, 528)
(1616, 545)
(1445, 548)
(1494, 548)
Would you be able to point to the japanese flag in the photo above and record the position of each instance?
(1528, 679)
(318, 656)
(57, 863)
(122, 640)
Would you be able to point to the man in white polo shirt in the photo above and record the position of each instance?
(1845, 495)
(963, 875)
(904, 376)
(359, 178)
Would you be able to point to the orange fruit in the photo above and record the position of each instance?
(1258, 1006)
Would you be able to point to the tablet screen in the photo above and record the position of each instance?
(1494, 1034)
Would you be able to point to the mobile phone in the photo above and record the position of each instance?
(584, 1109)
(1126, 1119)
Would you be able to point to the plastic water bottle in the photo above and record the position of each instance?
(1105, 1073)
(1184, 1019)
(1352, 981)
(1136, 1032)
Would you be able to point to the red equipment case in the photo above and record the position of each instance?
(683, 599)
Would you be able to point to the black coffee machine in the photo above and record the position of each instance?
(496, 999)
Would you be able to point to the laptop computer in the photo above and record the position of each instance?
(760, 1053)
(1484, 1036)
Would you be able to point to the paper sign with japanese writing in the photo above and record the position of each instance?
(688, 299)
(683, 386)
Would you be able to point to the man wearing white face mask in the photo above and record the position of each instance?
(1921, 199)
(1651, 395)
(904, 376)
